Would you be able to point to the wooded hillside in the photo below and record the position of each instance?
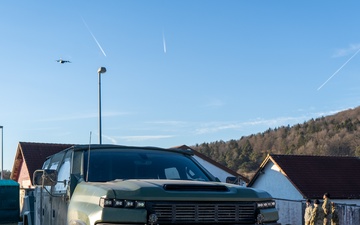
(337, 134)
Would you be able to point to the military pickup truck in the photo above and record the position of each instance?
(112, 184)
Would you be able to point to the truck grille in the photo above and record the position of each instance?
(198, 213)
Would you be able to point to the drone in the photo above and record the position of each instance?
(61, 61)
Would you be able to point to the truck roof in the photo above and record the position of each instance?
(111, 146)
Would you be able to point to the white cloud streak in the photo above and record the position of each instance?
(257, 125)
(346, 51)
(215, 103)
(111, 139)
(169, 122)
(164, 43)
(98, 44)
(265, 123)
(357, 51)
(81, 116)
(136, 138)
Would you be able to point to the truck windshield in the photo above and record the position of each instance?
(107, 165)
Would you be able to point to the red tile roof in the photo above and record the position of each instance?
(34, 155)
(315, 175)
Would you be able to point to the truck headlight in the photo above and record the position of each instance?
(121, 203)
(266, 205)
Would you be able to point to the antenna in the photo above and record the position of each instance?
(88, 161)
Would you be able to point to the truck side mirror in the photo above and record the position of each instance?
(231, 180)
(45, 177)
(234, 180)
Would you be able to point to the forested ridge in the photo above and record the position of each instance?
(338, 134)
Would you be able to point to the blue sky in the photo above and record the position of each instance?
(178, 72)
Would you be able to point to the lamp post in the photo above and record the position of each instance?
(2, 152)
(100, 71)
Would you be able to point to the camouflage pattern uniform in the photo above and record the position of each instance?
(327, 211)
(334, 215)
(308, 213)
(317, 216)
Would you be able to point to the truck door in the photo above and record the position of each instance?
(39, 198)
(46, 193)
(61, 192)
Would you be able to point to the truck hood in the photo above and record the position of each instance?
(176, 190)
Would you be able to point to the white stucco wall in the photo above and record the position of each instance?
(276, 184)
(290, 212)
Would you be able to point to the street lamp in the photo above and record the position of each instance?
(100, 71)
(2, 152)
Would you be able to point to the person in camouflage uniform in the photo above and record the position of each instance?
(317, 215)
(327, 209)
(308, 212)
(334, 215)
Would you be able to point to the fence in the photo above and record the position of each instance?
(291, 212)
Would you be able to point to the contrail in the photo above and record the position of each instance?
(339, 68)
(164, 42)
(93, 37)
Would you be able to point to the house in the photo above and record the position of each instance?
(298, 177)
(223, 173)
(291, 179)
(29, 157)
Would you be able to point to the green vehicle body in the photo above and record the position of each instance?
(141, 185)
